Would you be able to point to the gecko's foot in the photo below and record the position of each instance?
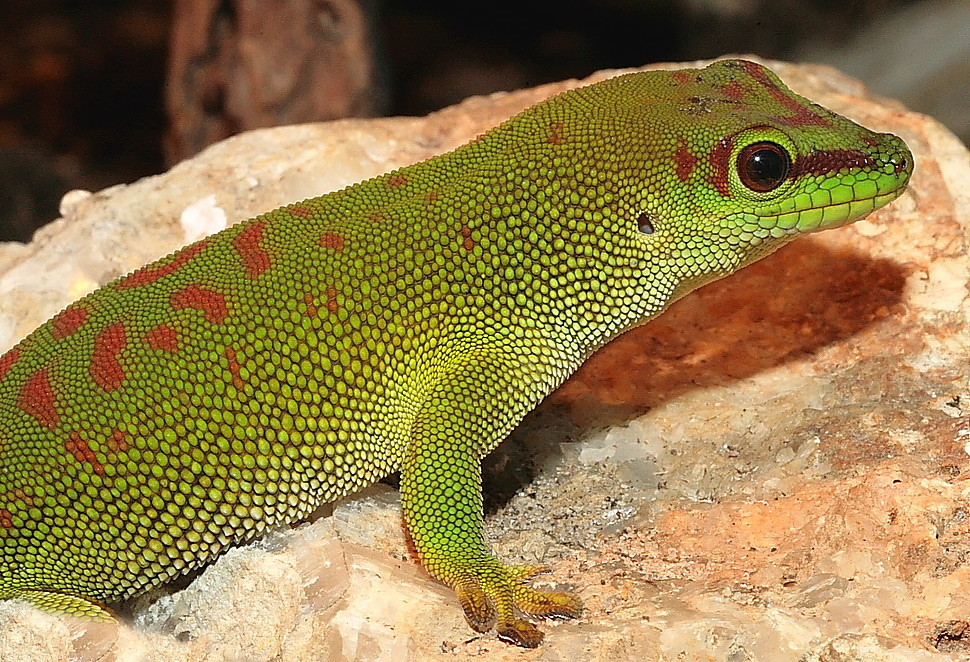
(491, 593)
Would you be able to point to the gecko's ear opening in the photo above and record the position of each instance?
(645, 223)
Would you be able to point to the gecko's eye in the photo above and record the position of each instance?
(763, 166)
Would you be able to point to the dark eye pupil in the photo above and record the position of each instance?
(763, 167)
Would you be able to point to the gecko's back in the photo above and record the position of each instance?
(232, 386)
(405, 323)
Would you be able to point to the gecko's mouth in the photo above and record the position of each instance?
(842, 213)
(790, 224)
(826, 216)
(884, 180)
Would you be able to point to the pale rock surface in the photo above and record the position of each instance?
(776, 469)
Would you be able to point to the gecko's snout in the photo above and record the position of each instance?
(899, 156)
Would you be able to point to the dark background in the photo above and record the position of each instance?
(82, 100)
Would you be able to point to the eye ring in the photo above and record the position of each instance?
(763, 166)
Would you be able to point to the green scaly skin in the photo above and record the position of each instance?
(406, 323)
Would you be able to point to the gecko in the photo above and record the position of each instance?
(403, 324)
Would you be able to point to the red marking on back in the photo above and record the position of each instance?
(118, 441)
(151, 273)
(6, 518)
(210, 302)
(332, 304)
(397, 180)
(682, 77)
(20, 495)
(333, 240)
(249, 245)
(163, 337)
(68, 321)
(106, 368)
(37, 399)
(376, 216)
(301, 211)
(735, 90)
(433, 196)
(469, 243)
(823, 162)
(7, 361)
(234, 368)
(685, 159)
(82, 452)
(311, 305)
(555, 134)
(803, 114)
(718, 159)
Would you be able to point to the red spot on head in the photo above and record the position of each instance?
(154, 271)
(333, 240)
(685, 160)
(6, 518)
(833, 160)
(682, 77)
(718, 158)
(37, 399)
(332, 303)
(234, 368)
(301, 211)
(105, 367)
(118, 441)
(735, 90)
(434, 196)
(68, 321)
(209, 301)
(376, 216)
(397, 180)
(556, 134)
(7, 361)
(248, 244)
(802, 115)
(311, 304)
(163, 337)
(83, 453)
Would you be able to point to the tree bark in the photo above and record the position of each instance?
(242, 64)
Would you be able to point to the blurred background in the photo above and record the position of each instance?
(100, 92)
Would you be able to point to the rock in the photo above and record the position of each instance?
(772, 470)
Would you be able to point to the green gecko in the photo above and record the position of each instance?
(405, 323)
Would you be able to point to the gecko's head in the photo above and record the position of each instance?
(751, 166)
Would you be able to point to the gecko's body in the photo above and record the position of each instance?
(403, 324)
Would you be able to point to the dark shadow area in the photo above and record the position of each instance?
(83, 83)
(791, 304)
